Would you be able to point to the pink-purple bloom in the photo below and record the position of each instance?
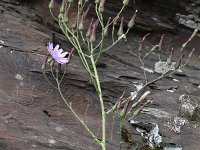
(58, 54)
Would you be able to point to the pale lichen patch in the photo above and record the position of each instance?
(164, 67)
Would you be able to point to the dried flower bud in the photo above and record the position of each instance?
(44, 64)
(51, 4)
(120, 31)
(125, 2)
(58, 69)
(80, 24)
(178, 63)
(93, 32)
(89, 29)
(87, 10)
(106, 27)
(132, 21)
(96, 1)
(115, 20)
(70, 1)
(66, 19)
(169, 60)
(101, 6)
(191, 37)
(60, 16)
(49, 60)
(160, 43)
(191, 53)
(62, 8)
(52, 63)
(142, 42)
(102, 2)
(124, 110)
(80, 2)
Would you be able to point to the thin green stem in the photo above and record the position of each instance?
(103, 113)
(74, 113)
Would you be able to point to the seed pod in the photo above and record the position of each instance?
(132, 21)
(51, 4)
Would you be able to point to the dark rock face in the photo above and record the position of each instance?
(32, 114)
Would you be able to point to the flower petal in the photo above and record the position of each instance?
(62, 60)
(57, 47)
(63, 54)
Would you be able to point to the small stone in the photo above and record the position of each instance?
(18, 77)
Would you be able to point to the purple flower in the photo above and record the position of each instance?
(58, 54)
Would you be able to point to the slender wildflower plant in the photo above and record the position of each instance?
(82, 37)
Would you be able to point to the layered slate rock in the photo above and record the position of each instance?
(32, 114)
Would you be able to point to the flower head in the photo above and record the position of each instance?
(58, 54)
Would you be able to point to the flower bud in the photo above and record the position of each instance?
(142, 43)
(44, 64)
(125, 2)
(80, 24)
(105, 32)
(49, 60)
(87, 10)
(178, 63)
(102, 2)
(89, 29)
(93, 32)
(70, 1)
(51, 4)
(80, 2)
(66, 19)
(58, 69)
(62, 8)
(120, 31)
(132, 21)
(96, 1)
(52, 63)
(101, 6)
(93, 35)
(169, 60)
(160, 43)
(191, 53)
(60, 16)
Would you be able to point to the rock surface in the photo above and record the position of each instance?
(32, 114)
